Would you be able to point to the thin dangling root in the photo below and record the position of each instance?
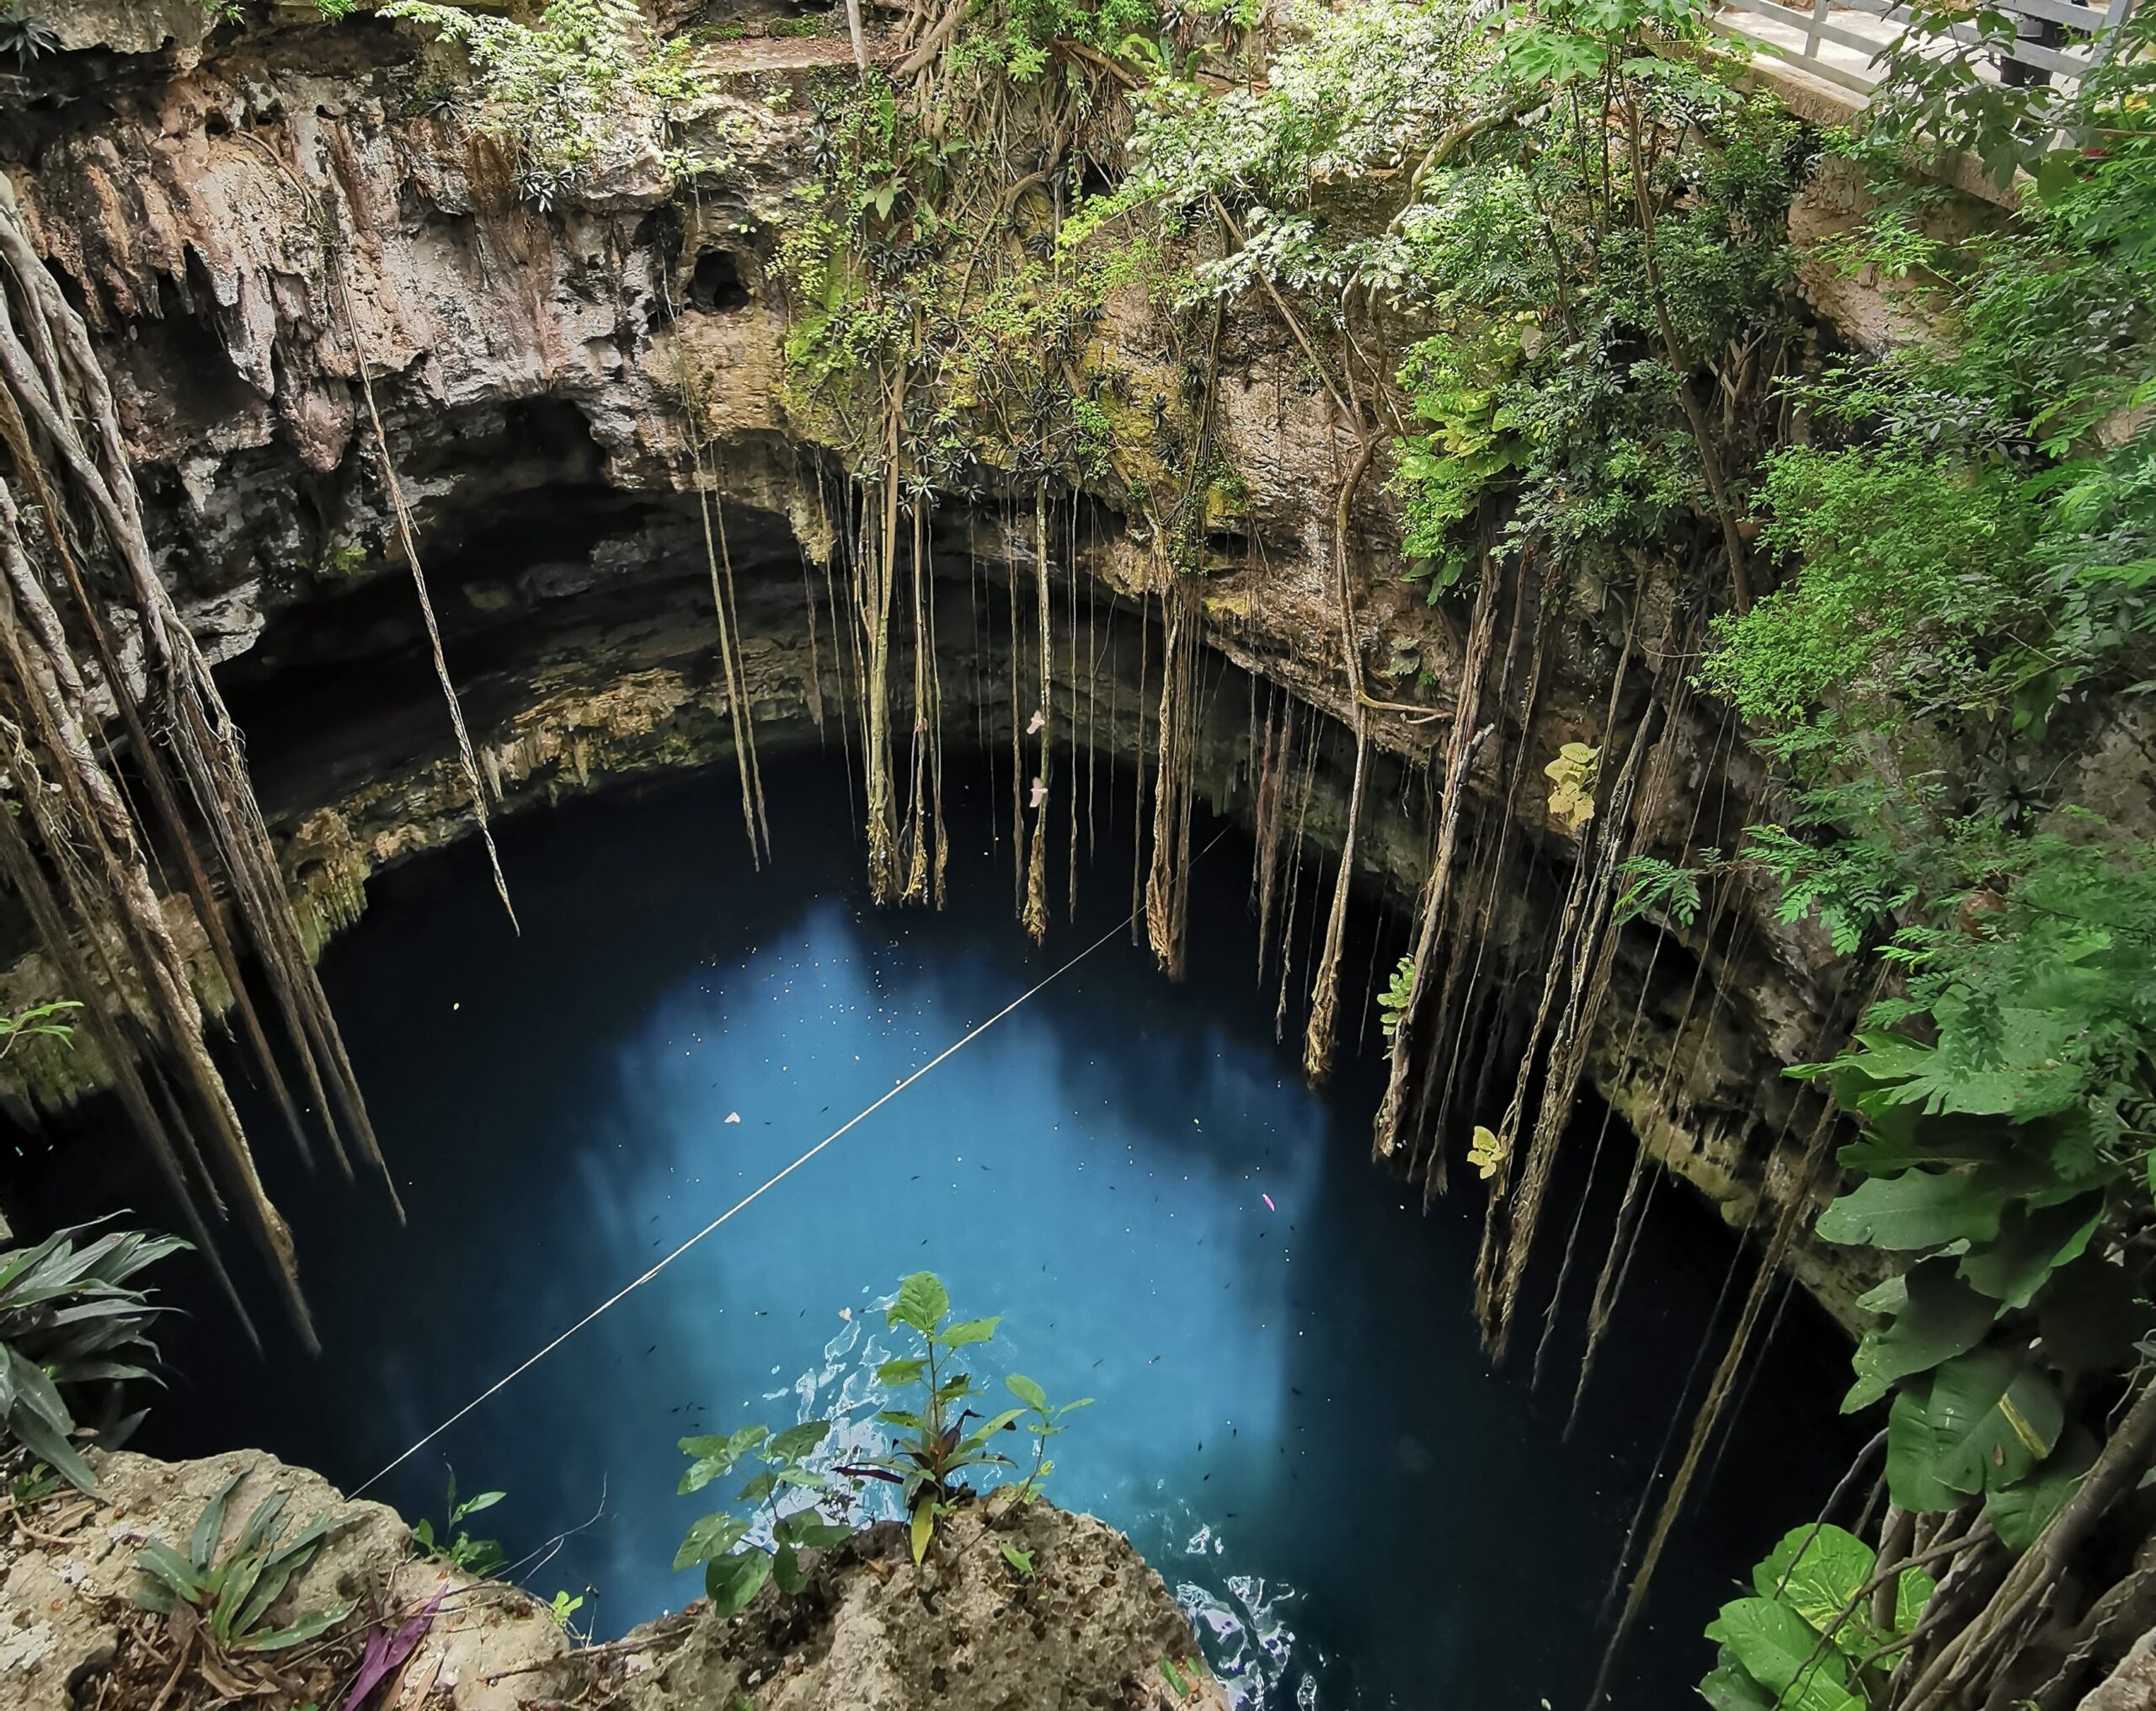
(398, 511)
(1168, 884)
(1036, 912)
(62, 435)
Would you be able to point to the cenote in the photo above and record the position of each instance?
(1293, 1419)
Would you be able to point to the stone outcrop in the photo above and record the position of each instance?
(1090, 1626)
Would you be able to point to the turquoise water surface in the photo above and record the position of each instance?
(1291, 1415)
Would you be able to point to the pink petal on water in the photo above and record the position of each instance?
(1269, 1206)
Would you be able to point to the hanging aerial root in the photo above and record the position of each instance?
(61, 436)
(1581, 900)
(1325, 993)
(1718, 1390)
(402, 515)
(1594, 961)
(1459, 752)
(1036, 912)
(1167, 883)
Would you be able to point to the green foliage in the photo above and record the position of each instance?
(73, 1328)
(39, 1021)
(932, 1447)
(583, 89)
(923, 1402)
(1910, 560)
(232, 1592)
(25, 35)
(736, 1563)
(1655, 887)
(1398, 995)
(1044, 1422)
(455, 1545)
(1807, 1638)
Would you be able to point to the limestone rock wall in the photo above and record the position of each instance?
(527, 363)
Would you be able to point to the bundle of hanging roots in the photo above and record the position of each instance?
(131, 823)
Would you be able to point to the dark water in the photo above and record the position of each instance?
(1293, 1419)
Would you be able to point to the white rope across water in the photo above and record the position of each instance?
(745, 1201)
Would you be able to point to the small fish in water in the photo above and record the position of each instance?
(1033, 725)
(733, 1116)
(1269, 1206)
(1039, 795)
(846, 1313)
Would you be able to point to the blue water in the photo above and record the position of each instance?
(1291, 1415)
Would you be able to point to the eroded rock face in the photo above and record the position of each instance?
(1089, 1626)
(528, 366)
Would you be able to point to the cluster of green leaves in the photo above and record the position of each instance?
(1019, 37)
(74, 1327)
(1653, 886)
(729, 1547)
(790, 1504)
(39, 1021)
(1592, 224)
(934, 1446)
(585, 87)
(454, 1543)
(232, 1592)
(1398, 995)
(1808, 1637)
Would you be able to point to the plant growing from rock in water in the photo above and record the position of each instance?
(934, 1447)
(456, 1546)
(73, 1328)
(231, 1594)
(735, 1566)
(1044, 1422)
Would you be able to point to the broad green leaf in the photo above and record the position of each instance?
(1027, 1391)
(730, 1582)
(988, 1429)
(922, 1303)
(974, 1330)
(759, 1488)
(923, 1524)
(2019, 1512)
(1021, 1560)
(1917, 1209)
(1983, 1420)
(1913, 1591)
(1816, 1571)
(905, 1371)
(2030, 1246)
(712, 1536)
(306, 1629)
(728, 1447)
(797, 1440)
(786, 1569)
(1778, 1648)
(1729, 1687)
(1940, 1316)
(808, 1530)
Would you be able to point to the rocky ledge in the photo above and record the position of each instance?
(1092, 1626)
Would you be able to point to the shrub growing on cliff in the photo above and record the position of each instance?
(586, 88)
(73, 1328)
(760, 1537)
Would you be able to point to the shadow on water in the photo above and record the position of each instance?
(1293, 1418)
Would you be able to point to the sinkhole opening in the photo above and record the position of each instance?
(1292, 1417)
